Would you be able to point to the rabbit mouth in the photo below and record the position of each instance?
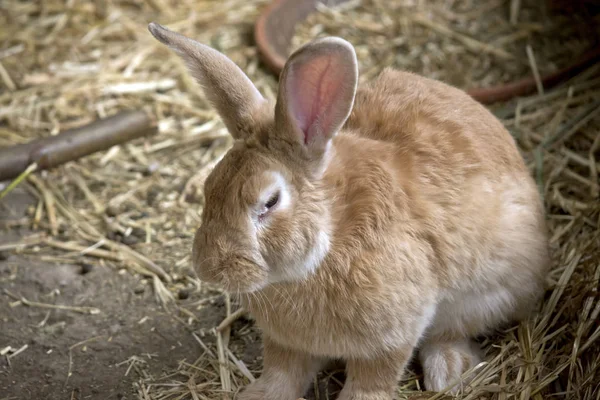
(237, 274)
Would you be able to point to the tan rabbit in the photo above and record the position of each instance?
(364, 225)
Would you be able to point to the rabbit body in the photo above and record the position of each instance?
(394, 219)
(437, 234)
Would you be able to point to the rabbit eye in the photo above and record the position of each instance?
(269, 205)
(272, 201)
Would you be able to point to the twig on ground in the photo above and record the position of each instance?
(69, 372)
(81, 310)
(18, 180)
(72, 144)
(224, 372)
(241, 366)
(226, 323)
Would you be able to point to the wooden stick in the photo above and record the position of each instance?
(75, 143)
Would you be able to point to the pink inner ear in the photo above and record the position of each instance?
(314, 87)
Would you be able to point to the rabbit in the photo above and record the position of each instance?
(367, 224)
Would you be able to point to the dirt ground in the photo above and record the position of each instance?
(131, 338)
(74, 355)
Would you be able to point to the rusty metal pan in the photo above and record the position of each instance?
(274, 30)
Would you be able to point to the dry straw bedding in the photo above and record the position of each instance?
(65, 63)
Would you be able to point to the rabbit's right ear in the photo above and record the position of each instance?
(225, 85)
(316, 93)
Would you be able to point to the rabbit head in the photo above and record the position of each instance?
(267, 215)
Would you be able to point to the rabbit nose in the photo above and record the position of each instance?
(213, 244)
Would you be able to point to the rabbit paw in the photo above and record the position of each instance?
(360, 395)
(444, 364)
(257, 390)
(263, 390)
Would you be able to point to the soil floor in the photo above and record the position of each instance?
(96, 350)
(74, 355)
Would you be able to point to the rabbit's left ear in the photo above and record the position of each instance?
(226, 86)
(316, 92)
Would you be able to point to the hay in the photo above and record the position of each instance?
(137, 206)
(465, 43)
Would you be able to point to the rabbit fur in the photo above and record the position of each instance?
(367, 224)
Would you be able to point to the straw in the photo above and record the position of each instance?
(137, 205)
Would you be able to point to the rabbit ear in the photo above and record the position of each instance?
(316, 92)
(226, 86)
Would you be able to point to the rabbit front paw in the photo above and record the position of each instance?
(360, 395)
(262, 389)
(255, 391)
(374, 378)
